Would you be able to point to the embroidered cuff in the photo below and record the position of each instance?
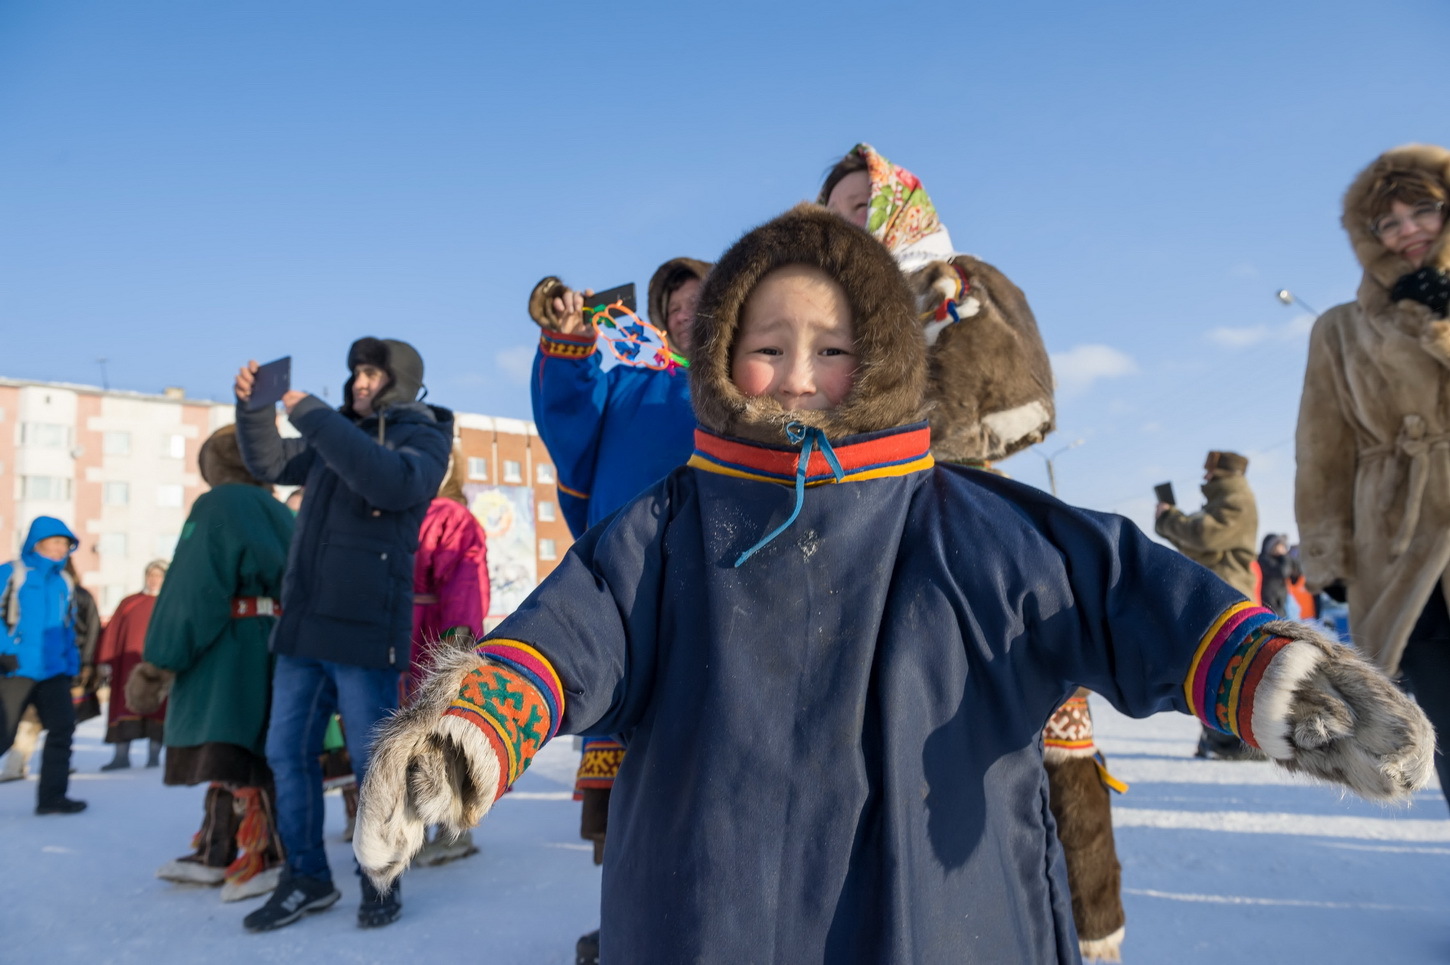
(1069, 731)
(599, 764)
(516, 699)
(561, 346)
(1228, 667)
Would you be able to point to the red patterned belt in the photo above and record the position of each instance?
(255, 606)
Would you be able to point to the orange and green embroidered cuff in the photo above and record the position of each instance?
(1224, 676)
(561, 346)
(516, 699)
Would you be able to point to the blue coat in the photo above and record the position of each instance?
(44, 637)
(610, 434)
(834, 748)
(348, 592)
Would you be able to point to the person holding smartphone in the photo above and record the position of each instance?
(342, 642)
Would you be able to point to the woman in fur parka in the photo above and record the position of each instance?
(990, 390)
(1372, 490)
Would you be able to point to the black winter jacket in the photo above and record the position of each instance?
(347, 596)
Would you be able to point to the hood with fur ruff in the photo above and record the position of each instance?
(1382, 267)
(890, 382)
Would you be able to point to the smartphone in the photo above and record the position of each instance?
(1164, 492)
(270, 383)
(624, 293)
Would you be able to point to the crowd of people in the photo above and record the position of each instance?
(812, 593)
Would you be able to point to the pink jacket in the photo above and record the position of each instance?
(450, 579)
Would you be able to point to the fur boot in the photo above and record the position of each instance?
(426, 769)
(1324, 711)
(215, 843)
(258, 868)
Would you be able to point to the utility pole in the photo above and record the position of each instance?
(1289, 298)
(1051, 472)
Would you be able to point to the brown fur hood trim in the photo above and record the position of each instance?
(1382, 268)
(665, 279)
(891, 381)
(220, 461)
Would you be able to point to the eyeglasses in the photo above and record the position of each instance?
(1424, 215)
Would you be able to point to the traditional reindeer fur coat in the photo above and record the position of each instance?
(1372, 490)
(835, 743)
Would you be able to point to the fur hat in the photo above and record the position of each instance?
(668, 277)
(890, 382)
(401, 362)
(1226, 462)
(1382, 267)
(220, 460)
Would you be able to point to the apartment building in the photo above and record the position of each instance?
(121, 469)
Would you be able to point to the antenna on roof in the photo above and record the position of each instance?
(105, 383)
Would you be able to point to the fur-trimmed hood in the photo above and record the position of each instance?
(890, 382)
(220, 460)
(667, 277)
(1382, 268)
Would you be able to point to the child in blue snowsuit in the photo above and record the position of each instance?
(832, 660)
(38, 655)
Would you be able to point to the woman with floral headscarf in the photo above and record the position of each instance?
(991, 395)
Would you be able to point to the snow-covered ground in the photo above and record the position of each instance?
(1221, 862)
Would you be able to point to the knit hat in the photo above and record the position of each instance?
(1227, 462)
(890, 381)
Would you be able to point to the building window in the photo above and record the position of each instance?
(547, 550)
(477, 468)
(112, 545)
(45, 435)
(53, 488)
(168, 496)
(544, 473)
(546, 511)
(116, 493)
(175, 447)
(512, 472)
(116, 443)
(165, 546)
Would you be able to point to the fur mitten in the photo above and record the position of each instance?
(148, 687)
(1324, 711)
(541, 302)
(425, 769)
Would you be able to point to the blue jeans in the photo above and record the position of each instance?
(305, 695)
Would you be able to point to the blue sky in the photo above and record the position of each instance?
(184, 186)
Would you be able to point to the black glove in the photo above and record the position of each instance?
(1337, 591)
(1428, 286)
(9, 663)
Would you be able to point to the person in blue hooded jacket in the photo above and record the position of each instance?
(832, 660)
(39, 655)
(343, 639)
(611, 433)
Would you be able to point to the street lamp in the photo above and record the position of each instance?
(1051, 475)
(1289, 298)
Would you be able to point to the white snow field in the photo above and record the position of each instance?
(1221, 862)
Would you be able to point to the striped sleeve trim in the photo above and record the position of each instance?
(1230, 662)
(516, 699)
(560, 346)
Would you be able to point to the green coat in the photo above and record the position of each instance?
(1223, 536)
(234, 544)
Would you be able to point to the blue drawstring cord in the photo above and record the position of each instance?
(806, 438)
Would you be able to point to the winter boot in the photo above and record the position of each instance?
(121, 760)
(378, 909)
(295, 896)
(444, 847)
(215, 845)
(1218, 746)
(258, 867)
(153, 753)
(586, 952)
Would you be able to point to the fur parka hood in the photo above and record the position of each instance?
(220, 460)
(1382, 267)
(890, 381)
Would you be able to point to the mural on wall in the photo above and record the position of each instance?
(507, 515)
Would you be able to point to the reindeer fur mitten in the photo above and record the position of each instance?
(541, 302)
(148, 687)
(425, 769)
(1328, 713)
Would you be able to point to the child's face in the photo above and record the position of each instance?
(796, 342)
(851, 198)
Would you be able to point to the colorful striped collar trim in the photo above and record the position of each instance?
(876, 455)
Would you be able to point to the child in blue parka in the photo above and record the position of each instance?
(38, 654)
(832, 659)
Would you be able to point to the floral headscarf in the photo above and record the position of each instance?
(900, 214)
